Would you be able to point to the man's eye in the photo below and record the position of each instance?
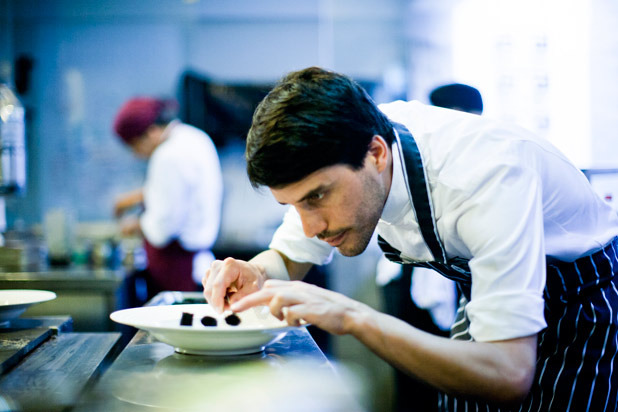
(316, 196)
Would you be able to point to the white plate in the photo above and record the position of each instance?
(257, 328)
(14, 302)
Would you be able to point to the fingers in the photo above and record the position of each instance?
(299, 303)
(279, 296)
(129, 227)
(284, 300)
(228, 281)
(296, 315)
(278, 282)
(118, 209)
(220, 276)
(261, 297)
(207, 280)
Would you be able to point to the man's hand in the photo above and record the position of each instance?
(130, 226)
(499, 371)
(229, 280)
(297, 301)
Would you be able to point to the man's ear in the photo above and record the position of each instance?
(378, 152)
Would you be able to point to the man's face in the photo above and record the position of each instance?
(338, 204)
(144, 145)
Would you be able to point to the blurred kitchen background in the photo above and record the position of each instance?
(550, 65)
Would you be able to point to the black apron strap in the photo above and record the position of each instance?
(418, 191)
(456, 269)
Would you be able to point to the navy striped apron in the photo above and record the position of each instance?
(577, 352)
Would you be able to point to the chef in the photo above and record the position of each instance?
(423, 297)
(489, 205)
(181, 196)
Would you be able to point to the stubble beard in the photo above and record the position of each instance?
(368, 215)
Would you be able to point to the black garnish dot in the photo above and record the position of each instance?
(209, 321)
(232, 320)
(187, 319)
(190, 301)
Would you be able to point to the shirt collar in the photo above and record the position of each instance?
(168, 129)
(397, 203)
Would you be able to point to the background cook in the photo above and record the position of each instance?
(181, 196)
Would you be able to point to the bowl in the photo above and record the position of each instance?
(14, 302)
(256, 330)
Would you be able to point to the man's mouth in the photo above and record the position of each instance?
(336, 240)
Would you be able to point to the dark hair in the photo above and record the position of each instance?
(168, 111)
(312, 118)
(457, 96)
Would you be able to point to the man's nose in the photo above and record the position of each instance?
(313, 223)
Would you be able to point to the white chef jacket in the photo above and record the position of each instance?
(183, 194)
(501, 197)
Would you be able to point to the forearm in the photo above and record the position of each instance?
(128, 201)
(495, 371)
(278, 266)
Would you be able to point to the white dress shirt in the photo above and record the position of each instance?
(501, 197)
(183, 193)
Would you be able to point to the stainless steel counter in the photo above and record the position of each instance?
(149, 375)
(291, 374)
(92, 372)
(44, 366)
(69, 278)
(87, 295)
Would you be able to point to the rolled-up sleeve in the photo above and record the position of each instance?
(502, 226)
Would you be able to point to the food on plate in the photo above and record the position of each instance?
(209, 321)
(232, 320)
(186, 319)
